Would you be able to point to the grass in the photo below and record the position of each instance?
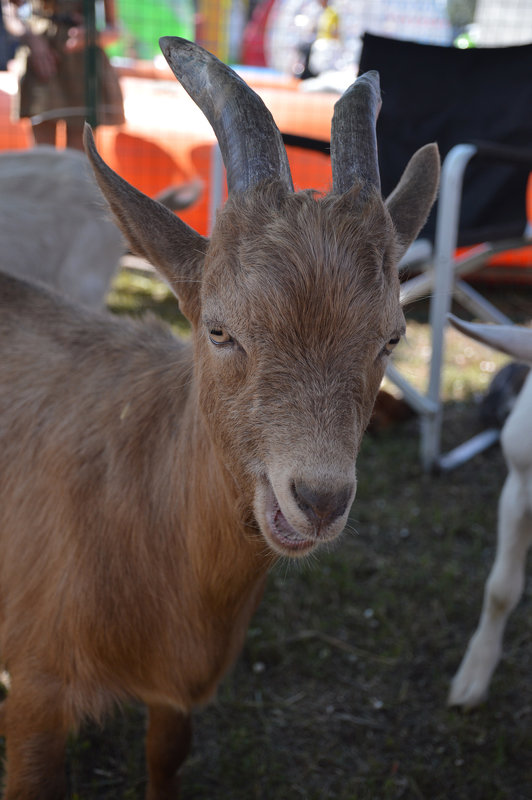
(340, 690)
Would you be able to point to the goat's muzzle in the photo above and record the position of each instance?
(297, 520)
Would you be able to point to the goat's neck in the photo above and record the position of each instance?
(225, 557)
(222, 534)
(191, 500)
(226, 550)
(208, 564)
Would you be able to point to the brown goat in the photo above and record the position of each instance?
(146, 484)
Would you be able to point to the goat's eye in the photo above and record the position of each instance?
(387, 349)
(219, 336)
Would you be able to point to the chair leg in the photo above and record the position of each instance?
(431, 425)
(444, 248)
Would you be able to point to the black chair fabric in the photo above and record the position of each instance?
(451, 96)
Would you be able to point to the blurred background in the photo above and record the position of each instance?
(299, 55)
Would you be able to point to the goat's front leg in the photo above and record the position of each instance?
(33, 725)
(503, 590)
(167, 746)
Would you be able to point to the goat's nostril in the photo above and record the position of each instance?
(321, 506)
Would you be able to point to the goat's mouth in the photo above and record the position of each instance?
(281, 535)
(285, 536)
(290, 528)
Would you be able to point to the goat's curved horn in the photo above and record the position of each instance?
(353, 134)
(251, 144)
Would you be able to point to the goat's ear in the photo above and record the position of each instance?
(411, 200)
(154, 232)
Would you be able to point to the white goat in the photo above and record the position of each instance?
(507, 577)
(55, 226)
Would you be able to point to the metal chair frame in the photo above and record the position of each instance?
(443, 280)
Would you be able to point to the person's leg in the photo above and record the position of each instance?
(45, 132)
(74, 133)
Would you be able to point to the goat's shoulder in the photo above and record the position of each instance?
(128, 380)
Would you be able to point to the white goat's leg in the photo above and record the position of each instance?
(502, 592)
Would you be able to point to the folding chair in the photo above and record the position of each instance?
(477, 105)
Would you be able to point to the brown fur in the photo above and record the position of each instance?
(139, 476)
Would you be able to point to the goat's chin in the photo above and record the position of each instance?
(288, 532)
